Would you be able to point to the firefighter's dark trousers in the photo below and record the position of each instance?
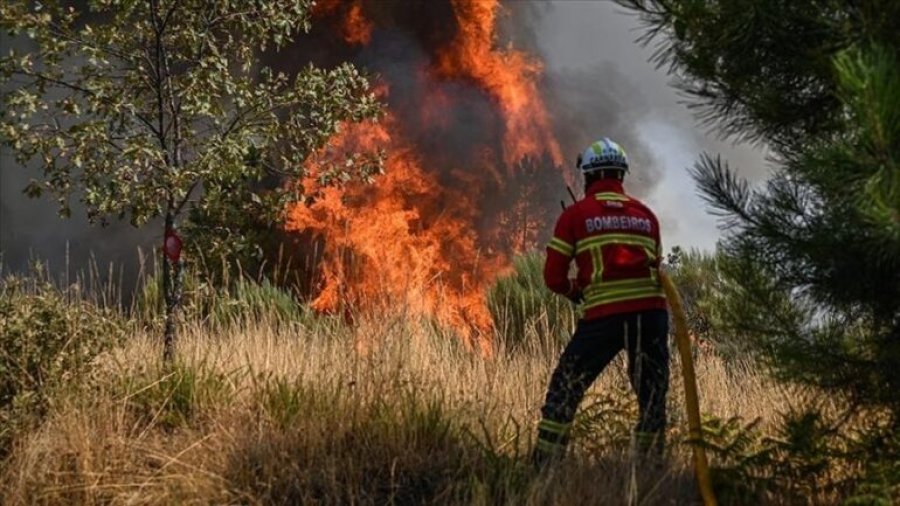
(644, 335)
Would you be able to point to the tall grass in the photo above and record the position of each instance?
(524, 309)
(375, 413)
(233, 300)
(383, 410)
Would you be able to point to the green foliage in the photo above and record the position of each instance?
(706, 293)
(148, 109)
(738, 459)
(696, 275)
(521, 305)
(880, 486)
(763, 70)
(140, 104)
(815, 253)
(797, 460)
(605, 421)
(257, 300)
(803, 456)
(868, 77)
(234, 302)
(284, 402)
(48, 339)
(232, 229)
(813, 256)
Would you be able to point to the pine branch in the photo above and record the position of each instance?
(728, 195)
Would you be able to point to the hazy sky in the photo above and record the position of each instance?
(587, 34)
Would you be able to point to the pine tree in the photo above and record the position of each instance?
(814, 254)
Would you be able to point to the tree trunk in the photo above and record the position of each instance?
(172, 290)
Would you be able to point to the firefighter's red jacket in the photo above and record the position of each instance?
(614, 240)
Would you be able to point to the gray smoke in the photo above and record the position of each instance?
(601, 83)
(31, 229)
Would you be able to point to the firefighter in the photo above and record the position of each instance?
(614, 240)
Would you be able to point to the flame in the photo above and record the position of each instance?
(428, 235)
(357, 29)
(509, 75)
(404, 241)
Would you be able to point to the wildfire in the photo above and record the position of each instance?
(430, 235)
(509, 75)
(356, 29)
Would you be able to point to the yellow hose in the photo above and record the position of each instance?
(692, 400)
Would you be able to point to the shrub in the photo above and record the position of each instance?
(804, 455)
(48, 338)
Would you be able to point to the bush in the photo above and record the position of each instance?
(803, 456)
(521, 305)
(706, 293)
(48, 338)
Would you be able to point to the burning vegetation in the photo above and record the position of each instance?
(470, 152)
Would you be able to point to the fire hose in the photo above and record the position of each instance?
(692, 400)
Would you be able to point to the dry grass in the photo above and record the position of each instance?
(384, 411)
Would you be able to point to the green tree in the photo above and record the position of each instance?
(151, 109)
(814, 254)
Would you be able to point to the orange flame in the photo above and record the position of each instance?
(357, 29)
(509, 75)
(408, 240)
(405, 241)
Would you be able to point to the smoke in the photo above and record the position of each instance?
(32, 230)
(445, 118)
(601, 83)
(596, 82)
(590, 103)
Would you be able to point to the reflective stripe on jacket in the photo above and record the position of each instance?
(614, 240)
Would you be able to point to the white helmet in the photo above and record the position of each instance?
(603, 154)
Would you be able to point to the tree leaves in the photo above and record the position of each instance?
(145, 101)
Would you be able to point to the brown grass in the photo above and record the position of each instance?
(385, 411)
